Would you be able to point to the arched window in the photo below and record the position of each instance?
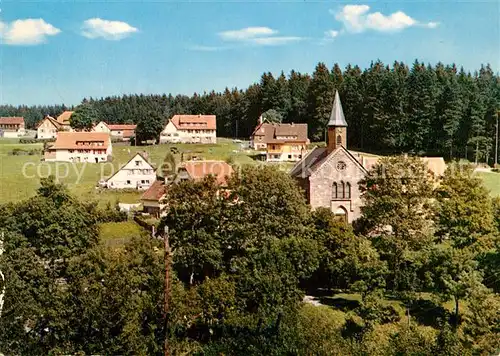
(341, 194)
(334, 190)
(339, 140)
(341, 214)
(348, 191)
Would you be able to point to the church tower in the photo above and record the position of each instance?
(337, 126)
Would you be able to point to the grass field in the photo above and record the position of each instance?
(491, 181)
(19, 175)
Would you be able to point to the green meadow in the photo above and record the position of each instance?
(20, 174)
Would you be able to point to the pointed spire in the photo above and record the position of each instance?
(337, 115)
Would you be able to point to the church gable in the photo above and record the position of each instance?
(339, 165)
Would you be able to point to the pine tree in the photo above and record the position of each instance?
(320, 101)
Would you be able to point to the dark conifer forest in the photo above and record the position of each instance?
(420, 108)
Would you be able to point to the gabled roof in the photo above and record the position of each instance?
(130, 160)
(198, 170)
(316, 158)
(194, 122)
(270, 131)
(51, 120)
(121, 126)
(68, 140)
(155, 192)
(64, 117)
(337, 115)
(12, 120)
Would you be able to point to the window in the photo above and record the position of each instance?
(138, 163)
(341, 194)
(41, 130)
(348, 191)
(339, 140)
(147, 181)
(289, 156)
(341, 190)
(128, 182)
(142, 181)
(334, 190)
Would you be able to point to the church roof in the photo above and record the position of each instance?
(337, 115)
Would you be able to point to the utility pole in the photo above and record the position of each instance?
(496, 142)
(166, 293)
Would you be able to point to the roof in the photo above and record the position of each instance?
(121, 126)
(128, 133)
(155, 192)
(337, 115)
(275, 141)
(64, 117)
(51, 120)
(198, 170)
(270, 131)
(68, 140)
(130, 160)
(436, 165)
(12, 120)
(194, 122)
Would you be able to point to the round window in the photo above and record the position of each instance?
(341, 165)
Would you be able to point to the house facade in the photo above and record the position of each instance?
(266, 133)
(91, 147)
(122, 132)
(12, 127)
(330, 175)
(48, 128)
(190, 129)
(285, 150)
(153, 199)
(137, 173)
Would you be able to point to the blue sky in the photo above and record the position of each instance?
(59, 52)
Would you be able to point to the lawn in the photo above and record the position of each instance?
(118, 233)
(19, 175)
(491, 181)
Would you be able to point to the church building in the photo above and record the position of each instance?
(330, 175)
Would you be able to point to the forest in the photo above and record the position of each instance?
(419, 274)
(419, 108)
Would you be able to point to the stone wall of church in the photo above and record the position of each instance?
(338, 168)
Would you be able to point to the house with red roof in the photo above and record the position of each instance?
(91, 147)
(190, 129)
(12, 127)
(122, 132)
(153, 199)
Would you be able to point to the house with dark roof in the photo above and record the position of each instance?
(137, 173)
(190, 129)
(266, 132)
(12, 127)
(329, 175)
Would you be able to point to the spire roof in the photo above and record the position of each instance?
(337, 115)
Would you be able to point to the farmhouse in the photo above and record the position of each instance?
(12, 127)
(137, 173)
(267, 133)
(92, 147)
(48, 128)
(152, 199)
(190, 129)
(122, 132)
(330, 175)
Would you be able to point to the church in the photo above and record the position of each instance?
(330, 175)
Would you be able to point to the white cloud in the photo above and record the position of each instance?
(247, 33)
(203, 48)
(26, 32)
(331, 34)
(108, 30)
(357, 18)
(263, 36)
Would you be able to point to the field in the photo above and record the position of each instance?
(19, 174)
(491, 181)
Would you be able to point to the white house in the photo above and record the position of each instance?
(153, 199)
(190, 129)
(137, 173)
(48, 128)
(119, 131)
(12, 127)
(92, 147)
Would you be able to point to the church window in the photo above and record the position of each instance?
(334, 190)
(341, 194)
(348, 191)
(341, 165)
(339, 140)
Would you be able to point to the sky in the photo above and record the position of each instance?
(58, 52)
